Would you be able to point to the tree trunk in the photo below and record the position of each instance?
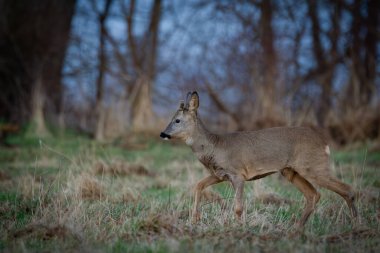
(142, 111)
(38, 126)
(144, 66)
(362, 53)
(269, 72)
(370, 46)
(33, 33)
(102, 65)
(324, 105)
(100, 121)
(324, 68)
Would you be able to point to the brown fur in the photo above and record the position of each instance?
(300, 154)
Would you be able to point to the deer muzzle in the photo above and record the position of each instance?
(165, 136)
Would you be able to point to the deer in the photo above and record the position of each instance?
(300, 154)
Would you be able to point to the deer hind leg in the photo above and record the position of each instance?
(344, 190)
(307, 189)
(238, 184)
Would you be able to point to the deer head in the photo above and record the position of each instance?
(183, 123)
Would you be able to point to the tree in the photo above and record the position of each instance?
(268, 59)
(143, 51)
(34, 36)
(102, 65)
(362, 52)
(326, 59)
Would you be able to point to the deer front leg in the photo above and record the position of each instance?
(238, 184)
(201, 185)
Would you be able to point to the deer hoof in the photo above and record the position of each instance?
(196, 218)
(238, 213)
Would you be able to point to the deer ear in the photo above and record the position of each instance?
(181, 105)
(188, 96)
(194, 101)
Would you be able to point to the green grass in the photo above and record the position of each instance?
(53, 198)
(358, 156)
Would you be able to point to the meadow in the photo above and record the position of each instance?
(69, 193)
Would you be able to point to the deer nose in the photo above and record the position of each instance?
(165, 136)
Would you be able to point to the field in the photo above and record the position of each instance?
(69, 193)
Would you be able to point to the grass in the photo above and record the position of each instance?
(69, 193)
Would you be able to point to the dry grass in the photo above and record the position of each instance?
(358, 234)
(89, 188)
(273, 199)
(115, 205)
(3, 176)
(46, 232)
(121, 168)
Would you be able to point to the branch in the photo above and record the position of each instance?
(131, 40)
(220, 105)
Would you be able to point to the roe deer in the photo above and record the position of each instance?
(300, 154)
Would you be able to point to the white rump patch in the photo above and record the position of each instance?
(189, 141)
(166, 138)
(327, 150)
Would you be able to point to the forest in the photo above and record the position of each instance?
(106, 68)
(86, 87)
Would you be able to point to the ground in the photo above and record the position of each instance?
(69, 193)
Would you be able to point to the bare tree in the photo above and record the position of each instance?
(324, 68)
(102, 66)
(268, 57)
(362, 52)
(270, 62)
(143, 52)
(34, 37)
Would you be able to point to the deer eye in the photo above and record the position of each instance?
(177, 121)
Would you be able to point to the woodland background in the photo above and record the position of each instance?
(86, 86)
(108, 68)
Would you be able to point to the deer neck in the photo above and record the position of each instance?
(201, 140)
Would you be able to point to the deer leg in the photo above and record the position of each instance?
(201, 185)
(344, 190)
(238, 184)
(307, 189)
